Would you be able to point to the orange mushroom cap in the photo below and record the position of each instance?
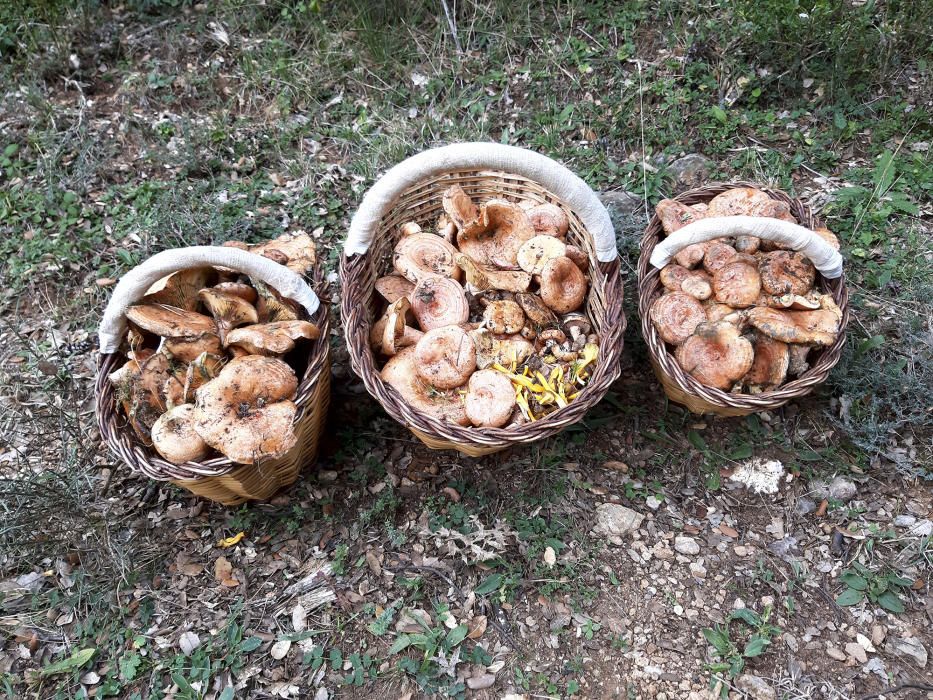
(445, 357)
(676, 316)
(399, 372)
(423, 255)
(675, 215)
(716, 355)
(276, 338)
(497, 235)
(548, 220)
(174, 436)
(490, 399)
(786, 272)
(737, 284)
(563, 286)
(439, 301)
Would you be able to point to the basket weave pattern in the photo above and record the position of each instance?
(422, 203)
(684, 389)
(218, 478)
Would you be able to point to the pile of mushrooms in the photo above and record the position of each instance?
(208, 368)
(482, 323)
(741, 313)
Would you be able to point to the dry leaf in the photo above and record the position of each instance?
(728, 531)
(223, 572)
(298, 617)
(230, 541)
(280, 649)
(821, 510)
(372, 561)
(477, 627)
(618, 466)
(191, 569)
(188, 642)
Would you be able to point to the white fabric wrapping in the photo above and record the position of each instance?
(550, 174)
(823, 256)
(133, 284)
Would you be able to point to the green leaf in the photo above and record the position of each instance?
(854, 581)
(755, 647)
(697, 440)
(718, 639)
(883, 175)
(380, 625)
(456, 635)
(336, 659)
(491, 584)
(75, 661)
(746, 615)
(890, 601)
(850, 596)
(720, 114)
(250, 644)
(226, 694)
(742, 452)
(403, 641)
(873, 343)
(839, 119)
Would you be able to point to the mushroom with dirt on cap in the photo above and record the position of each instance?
(229, 310)
(819, 327)
(716, 355)
(422, 255)
(737, 283)
(769, 368)
(400, 373)
(563, 286)
(276, 338)
(174, 436)
(445, 357)
(496, 237)
(439, 301)
(548, 220)
(786, 272)
(676, 316)
(504, 317)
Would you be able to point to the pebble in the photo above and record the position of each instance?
(755, 687)
(841, 488)
(690, 171)
(697, 570)
(478, 683)
(613, 521)
(856, 651)
(804, 506)
(834, 653)
(686, 545)
(908, 648)
(653, 502)
(877, 634)
(923, 528)
(904, 521)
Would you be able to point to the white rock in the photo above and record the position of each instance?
(280, 649)
(653, 502)
(923, 528)
(857, 652)
(755, 687)
(188, 642)
(613, 521)
(865, 642)
(686, 545)
(909, 648)
(904, 521)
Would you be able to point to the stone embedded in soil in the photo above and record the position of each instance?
(480, 682)
(904, 521)
(613, 521)
(908, 648)
(804, 506)
(690, 171)
(856, 651)
(841, 488)
(922, 528)
(755, 687)
(686, 545)
(837, 654)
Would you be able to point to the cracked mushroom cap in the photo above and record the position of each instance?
(548, 220)
(188, 349)
(674, 216)
(480, 277)
(276, 338)
(399, 372)
(247, 411)
(445, 357)
(737, 284)
(746, 201)
(504, 317)
(676, 316)
(228, 310)
(563, 286)
(716, 355)
(295, 250)
(786, 272)
(459, 207)
(180, 289)
(439, 301)
(394, 287)
(819, 327)
(497, 236)
(769, 368)
(699, 287)
(174, 436)
(541, 316)
(537, 252)
(422, 255)
(717, 255)
(170, 321)
(693, 254)
(490, 399)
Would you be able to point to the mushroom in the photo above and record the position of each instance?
(294, 250)
(170, 321)
(445, 357)
(698, 287)
(399, 307)
(676, 316)
(672, 276)
(239, 289)
(397, 334)
(746, 201)
(423, 255)
(490, 399)
(580, 258)
(125, 381)
(188, 349)
(819, 327)
(200, 371)
(537, 252)
(717, 312)
(827, 236)
(180, 289)
(539, 314)
(229, 311)
(459, 207)
(271, 306)
(399, 372)
(717, 255)
(737, 284)
(276, 338)
(174, 436)
(578, 326)
(548, 220)
(480, 278)
(394, 287)
(796, 302)
(563, 286)
(674, 215)
(692, 255)
(747, 244)
(409, 228)
(247, 411)
(798, 359)
(506, 350)
(504, 317)
(786, 272)
(769, 368)
(716, 355)
(446, 229)
(439, 301)
(496, 237)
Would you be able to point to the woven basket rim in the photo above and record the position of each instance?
(124, 443)
(604, 277)
(649, 288)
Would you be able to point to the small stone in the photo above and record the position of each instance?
(855, 650)
(479, 682)
(923, 528)
(804, 506)
(877, 634)
(755, 687)
(841, 488)
(613, 521)
(621, 202)
(908, 648)
(865, 643)
(837, 654)
(653, 502)
(280, 649)
(690, 171)
(550, 557)
(904, 521)
(686, 545)
(740, 550)
(791, 642)
(697, 570)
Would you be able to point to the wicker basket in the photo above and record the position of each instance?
(412, 191)
(218, 479)
(684, 389)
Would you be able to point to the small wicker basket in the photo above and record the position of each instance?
(217, 479)
(684, 389)
(412, 191)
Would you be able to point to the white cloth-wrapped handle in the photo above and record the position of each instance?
(133, 284)
(550, 174)
(824, 257)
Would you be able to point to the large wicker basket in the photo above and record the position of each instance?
(680, 386)
(218, 479)
(412, 191)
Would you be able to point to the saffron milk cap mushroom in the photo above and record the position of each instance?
(692, 255)
(170, 321)
(189, 348)
(674, 216)
(394, 287)
(423, 255)
(229, 310)
(819, 327)
(399, 372)
(409, 228)
(716, 355)
(496, 237)
(504, 317)
(297, 249)
(174, 436)
(548, 220)
(439, 301)
(503, 350)
(490, 399)
(737, 284)
(239, 289)
(459, 208)
(180, 289)
(271, 306)
(746, 201)
(536, 252)
(717, 255)
(398, 334)
(200, 371)
(769, 368)
(786, 272)
(247, 411)
(445, 357)
(676, 316)
(563, 285)
(276, 338)
(479, 278)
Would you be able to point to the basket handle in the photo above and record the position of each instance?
(823, 256)
(133, 285)
(556, 178)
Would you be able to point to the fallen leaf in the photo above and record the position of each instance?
(821, 509)
(230, 541)
(223, 572)
(372, 561)
(90, 678)
(728, 531)
(616, 465)
(76, 660)
(477, 626)
(188, 642)
(191, 569)
(280, 649)
(298, 617)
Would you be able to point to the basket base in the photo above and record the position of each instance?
(464, 449)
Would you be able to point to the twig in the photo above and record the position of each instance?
(452, 23)
(897, 689)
